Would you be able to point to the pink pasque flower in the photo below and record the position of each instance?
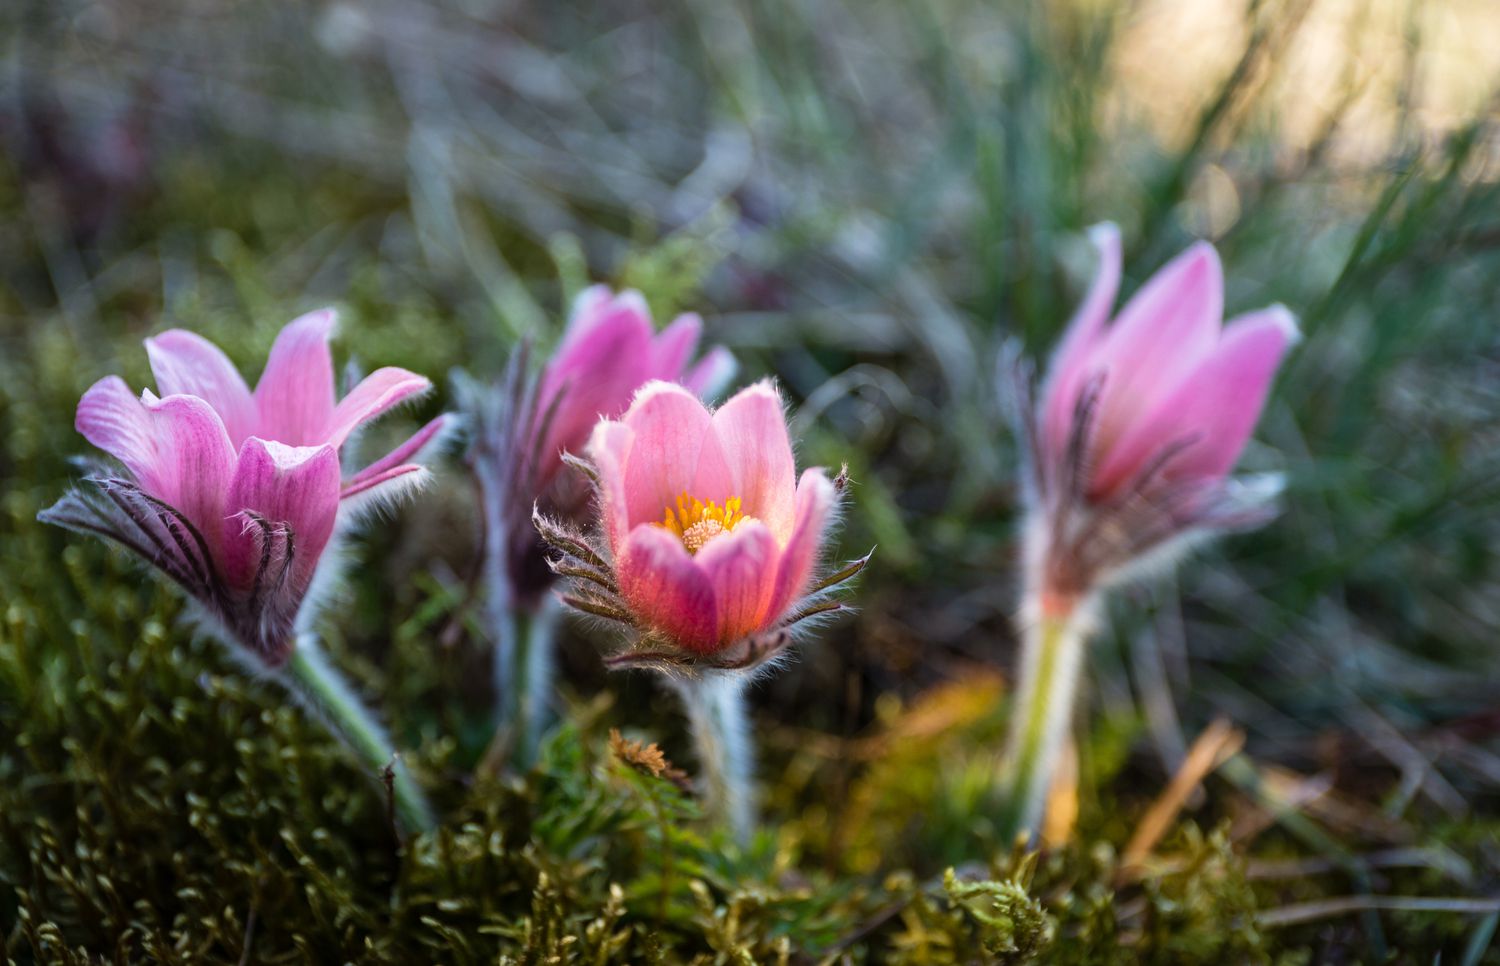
(523, 427)
(237, 494)
(1143, 418)
(708, 542)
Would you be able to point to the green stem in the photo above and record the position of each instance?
(323, 691)
(1051, 662)
(715, 706)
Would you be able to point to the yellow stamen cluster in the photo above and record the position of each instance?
(695, 523)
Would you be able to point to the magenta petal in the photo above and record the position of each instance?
(752, 430)
(404, 453)
(741, 567)
(586, 312)
(1159, 336)
(376, 393)
(799, 557)
(1071, 361)
(113, 419)
(596, 370)
(672, 349)
(669, 424)
(609, 450)
(194, 461)
(666, 590)
(1216, 406)
(712, 374)
(368, 480)
(185, 363)
(294, 397)
(293, 486)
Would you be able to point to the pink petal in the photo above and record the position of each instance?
(609, 450)
(1216, 406)
(595, 372)
(367, 481)
(194, 461)
(586, 312)
(799, 558)
(669, 424)
(185, 363)
(671, 350)
(294, 397)
(113, 419)
(295, 486)
(1070, 366)
(404, 453)
(666, 590)
(712, 374)
(376, 393)
(752, 430)
(741, 567)
(1159, 337)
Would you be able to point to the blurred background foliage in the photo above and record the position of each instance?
(872, 201)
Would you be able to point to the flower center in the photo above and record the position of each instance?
(696, 523)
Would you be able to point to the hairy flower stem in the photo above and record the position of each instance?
(523, 667)
(715, 706)
(325, 693)
(1051, 662)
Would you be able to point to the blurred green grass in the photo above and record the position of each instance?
(870, 202)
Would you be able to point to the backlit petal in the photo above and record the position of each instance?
(751, 427)
(799, 558)
(669, 424)
(741, 566)
(667, 590)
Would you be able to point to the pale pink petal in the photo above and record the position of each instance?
(609, 450)
(666, 590)
(113, 419)
(741, 566)
(1072, 360)
(292, 486)
(376, 393)
(712, 374)
(194, 461)
(669, 425)
(406, 452)
(714, 479)
(1216, 407)
(1170, 325)
(294, 397)
(185, 363)
(799, 558)
(752, 430)
(671, 350)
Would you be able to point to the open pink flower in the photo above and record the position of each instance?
(237, 494)
(1143, 418)
(709, 541)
